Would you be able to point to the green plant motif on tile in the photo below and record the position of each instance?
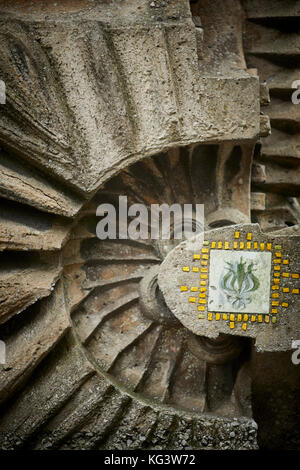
(239, 282)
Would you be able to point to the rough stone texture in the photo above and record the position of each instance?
(25, 229)
(22, 287)
(90, 414)
(272, 48)
(27, 186)
(146, 79)
(276, 388)
(44, 395)
(32, 342)
(275, 378)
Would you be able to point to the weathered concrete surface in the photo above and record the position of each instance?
(142, 94)
(21, 184)
(276, 407)
(32, 342)
(23, 228)
(23, 286)
(68, 406)
(271, 272)
(44, 395)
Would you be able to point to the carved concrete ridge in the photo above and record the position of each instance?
(92, 91)
(236, 281)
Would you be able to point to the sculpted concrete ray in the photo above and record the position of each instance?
(129, 86)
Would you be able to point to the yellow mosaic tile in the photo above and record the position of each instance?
(205, 243)
(241, 318)
(274, 320)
